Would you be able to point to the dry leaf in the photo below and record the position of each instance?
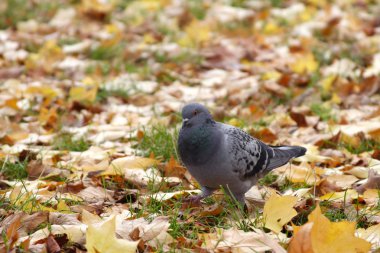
(234, 240)
(320, 235)
(371, 234)
(102, 238)
(278, 211)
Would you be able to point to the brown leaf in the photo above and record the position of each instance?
(12, 72)
(325, 186)
(174, 169)
(265, 134)
(36, 169)
(302, 242)
(11, 232)
(95, 195)
(299, 118)
(31, 222)
(376, 154)
(213, 210)
(51, 245)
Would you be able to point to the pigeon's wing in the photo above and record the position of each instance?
(249, 156)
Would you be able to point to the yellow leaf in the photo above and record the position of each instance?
(308, 14)
(48, 54)
(98, 6)
(44, 90)
(234, 122)
(62, 207)
(327, 83)
(271, 28)
(271, 75)
(196, 33)
(89, 81)
(86, 94)
(337, 237)
(133, 162)
(114, 35)
(118, 166)
(48, 116)
(320, 235)
(304, 64)
(90, 218)
(50, 51)
(102, 239)
(149, 39)
(302, 174)
(340, 196)
(336, 98)
(278, 211)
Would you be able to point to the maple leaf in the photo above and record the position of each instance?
(102, 238)
(320, 235)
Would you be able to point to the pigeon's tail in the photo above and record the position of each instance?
(282, 155)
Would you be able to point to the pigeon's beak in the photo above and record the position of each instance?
(184, 121)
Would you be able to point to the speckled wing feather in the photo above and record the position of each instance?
(249, 156)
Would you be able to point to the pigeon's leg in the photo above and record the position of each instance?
(204, 194)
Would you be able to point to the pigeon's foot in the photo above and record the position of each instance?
(192, 201)
(196, 199)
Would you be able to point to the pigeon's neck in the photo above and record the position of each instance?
(199, 143)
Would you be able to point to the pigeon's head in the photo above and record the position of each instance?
(195, 113)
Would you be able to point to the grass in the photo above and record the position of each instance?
(365, 146)
(197, 9)
(290, 185)
(14, 170)
(268, 179)
(103, 94)
(15, 11)
(66, 141)
(159, 141)
(323, 112)
(335, 214)
(105, 53)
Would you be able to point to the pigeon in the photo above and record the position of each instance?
(218, 155)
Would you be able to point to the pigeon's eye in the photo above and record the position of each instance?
(195, 113)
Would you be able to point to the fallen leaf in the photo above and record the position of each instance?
(371, 234)
(305, 64)
(234, 240)
(51, 245)
(342, 181)
(340, 196)
(84, 94)
(300, 174)
(129, 162)
(278, 211)
(320, 235)
(103, 239)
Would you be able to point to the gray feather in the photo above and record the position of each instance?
(282, 155)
